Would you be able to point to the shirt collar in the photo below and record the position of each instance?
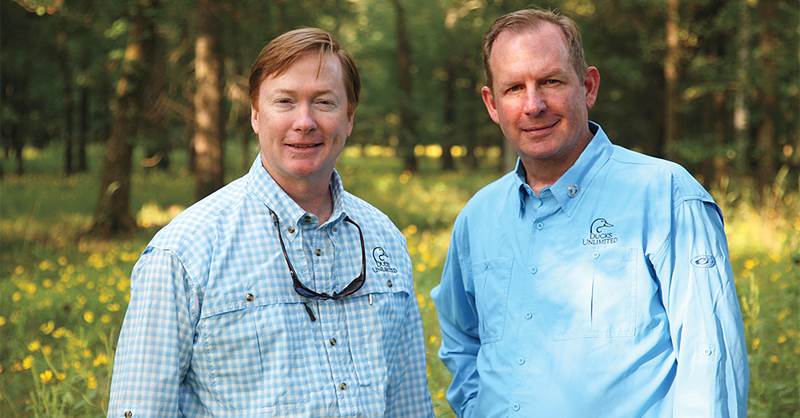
(267, 191)
(569, 188)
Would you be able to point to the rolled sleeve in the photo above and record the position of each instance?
(458, 319)
(705, 321)
(154, 346)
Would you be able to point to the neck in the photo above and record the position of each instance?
(540, 173)
(313, 195)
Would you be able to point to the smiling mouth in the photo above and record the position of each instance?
(304, 146)
(537, 129)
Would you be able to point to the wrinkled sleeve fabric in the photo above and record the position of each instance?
(458, 320)
(154, 346)
(407, 394)
(699, 296)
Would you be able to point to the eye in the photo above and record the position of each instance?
(515, 88)
(552, 82)
(325, 103)
(283, 101)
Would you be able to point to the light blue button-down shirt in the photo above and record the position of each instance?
(215, 328)
(608, 295)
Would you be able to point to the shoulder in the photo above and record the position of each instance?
(192, 235)
(656, 173)
(369, 216)
(495, 199)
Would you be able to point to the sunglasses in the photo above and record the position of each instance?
(304, 291)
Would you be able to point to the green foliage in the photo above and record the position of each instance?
(63, 297)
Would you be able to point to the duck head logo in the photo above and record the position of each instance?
(600, 232)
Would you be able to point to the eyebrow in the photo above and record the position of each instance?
(315, 92)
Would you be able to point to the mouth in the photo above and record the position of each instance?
(541, 129)
(304, 146)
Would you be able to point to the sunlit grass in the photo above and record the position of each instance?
(62, 299)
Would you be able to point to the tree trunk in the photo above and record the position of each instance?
(83, 128)
(66, 93)
(448, 164)
(720, 159)
(407, 131)
(113, 214)
(741, 112)
(765, 144)
(671, 79)
(208, 135)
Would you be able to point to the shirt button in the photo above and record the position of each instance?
(290, 229)
(318, 252)
(534, 270)
(342, 386)
(539, 226)
(333, 229)
(249, 297)
(332, 341)
(515, 407)
(595, 255)
(520, 361)
(528, 315)
(572, 190)
(708, 352)
(128, 414)
(307, 219)
(389, 283)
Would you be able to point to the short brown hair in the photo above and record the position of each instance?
(530, 19)
(280, 53)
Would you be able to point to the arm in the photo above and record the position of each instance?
(155, 342)
(407, 394)
(706, 328)
(458, 320)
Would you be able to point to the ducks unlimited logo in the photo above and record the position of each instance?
(599, 233)
(382, 261)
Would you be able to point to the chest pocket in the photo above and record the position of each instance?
(249, 340)
(605, 302)
(376, 316)
(492, 278)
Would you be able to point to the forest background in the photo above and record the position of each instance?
(115, 116)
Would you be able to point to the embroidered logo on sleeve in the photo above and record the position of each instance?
(705, 261)
(600, 233)
(382, 261)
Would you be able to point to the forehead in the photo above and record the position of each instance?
(310, 71)
(540, 49)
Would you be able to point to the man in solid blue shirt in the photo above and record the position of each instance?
(591, 281)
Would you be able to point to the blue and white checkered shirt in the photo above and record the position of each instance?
(215, 328)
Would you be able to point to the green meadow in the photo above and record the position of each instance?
(63, 294)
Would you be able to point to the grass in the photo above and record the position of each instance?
(62, 299)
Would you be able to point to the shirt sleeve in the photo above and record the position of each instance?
(407, 394)
(458, 320)
(155, 341)
(699, 297)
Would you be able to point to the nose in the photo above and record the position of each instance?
(534, 102)
(304, 121)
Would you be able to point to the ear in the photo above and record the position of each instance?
(351, 118)
(254, 119)
(591, 84)
(488, 101)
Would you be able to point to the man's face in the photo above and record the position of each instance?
(302, 120)
(537, 98)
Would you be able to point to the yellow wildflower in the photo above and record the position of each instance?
(19, 270)
(61, 376)
(439, 395)
(774, 359)
(34, 346)
(2, 320)
(60, 332)
(27, 362)
(756, 343)
(47, 283)
(45, 265)
(46, 376)
(782, 339)
(91, 382)
(113, 307)
(421, 300)
(16, 296)
(88, 316)
(433, 339)
(750, 263)
(46, 350)
(106, 319)
(62, 261)
(87, 353)
(48, 327)
(100, 360)
(421, 267)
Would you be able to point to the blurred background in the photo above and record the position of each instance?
(115, 116)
